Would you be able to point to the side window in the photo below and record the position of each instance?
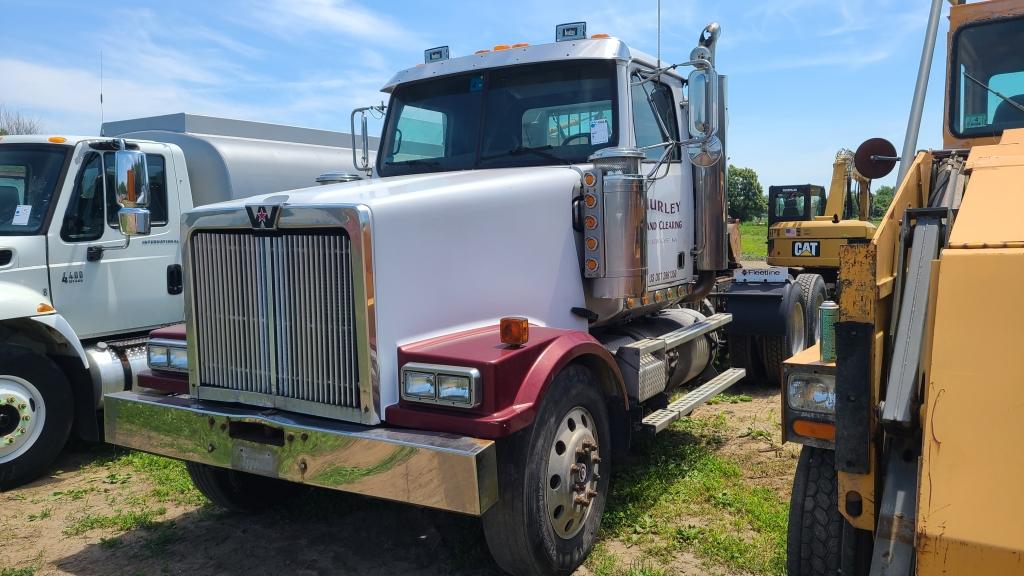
(651, 99)
(790, 206)
(83, 220)
(157, 167)
(420, 134)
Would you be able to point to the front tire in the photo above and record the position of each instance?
(239, 491)
(820, 541)
(36, 412)
(553, 481)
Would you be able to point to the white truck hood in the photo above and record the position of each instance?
(459, 250)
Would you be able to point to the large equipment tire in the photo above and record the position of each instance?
(36, 413)
(812, 287)
(553, 481)
(820, 541)
(776, 349)
(743, 355)
(239, 491)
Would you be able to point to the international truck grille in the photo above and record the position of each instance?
(275, 318)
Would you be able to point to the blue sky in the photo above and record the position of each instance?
(806, 76)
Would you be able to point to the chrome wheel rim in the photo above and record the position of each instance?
(22, 415)
(572, 474)
(798, 336)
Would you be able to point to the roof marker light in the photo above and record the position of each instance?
(602, 35)
(571, 31)
(500, 47)
(520, 44)
(435, 54)
(484, 51)
(57, 139)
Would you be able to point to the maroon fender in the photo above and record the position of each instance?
(170, 332)
(513, 379)
(164, 381)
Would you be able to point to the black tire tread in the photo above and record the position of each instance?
(774, 352)
(742, 355)
(815, 546)
(810, 285)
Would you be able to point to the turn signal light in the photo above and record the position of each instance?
(45, 308)
(589, 179)
(819, 430)
(591, 264)
(591, 243)
(514, 330)
(590, 200)
(590, 222)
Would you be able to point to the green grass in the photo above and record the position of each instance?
(681, 494)
(17, 571)
(123, 520)
(603, 563)
(754, 237)
(170, 480)
(41, 515)
(730, 399)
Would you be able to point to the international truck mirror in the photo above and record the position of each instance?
(131, 179)
(131, 188)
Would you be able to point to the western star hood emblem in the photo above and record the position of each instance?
(263, 217)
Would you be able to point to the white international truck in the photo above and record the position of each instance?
(485, 325)
(76, 299)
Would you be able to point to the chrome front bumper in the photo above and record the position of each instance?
(444, 471)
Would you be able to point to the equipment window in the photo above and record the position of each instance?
(790, 205)
(83, 220)
(987, 87)
(652, 101)
(156, 165)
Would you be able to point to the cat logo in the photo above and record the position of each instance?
(809, 248)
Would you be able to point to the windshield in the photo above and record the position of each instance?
(556, 113)
(988, 79)
(788, 204)
(29, 174)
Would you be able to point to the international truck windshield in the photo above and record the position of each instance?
(988, 78)
(528, 115)
(29, 175)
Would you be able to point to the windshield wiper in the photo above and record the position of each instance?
(1019, 107)
(541, 151)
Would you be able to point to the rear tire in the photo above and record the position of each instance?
(540, 526)
(36, 413)
(239, 491)
(812, 287)
(776, 349)
(820, 541)
(743, 355)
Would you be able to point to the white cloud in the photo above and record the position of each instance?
(293, 18)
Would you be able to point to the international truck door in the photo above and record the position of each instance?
(669, 200)
(101, 288)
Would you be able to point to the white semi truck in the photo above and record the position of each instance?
(484, 326)
(76, 299)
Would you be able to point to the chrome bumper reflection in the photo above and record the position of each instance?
(456, 473)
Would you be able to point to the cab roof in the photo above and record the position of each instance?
(587, 49)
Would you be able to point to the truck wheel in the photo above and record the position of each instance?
(812, 287)
(239, 491)
(776, 349)
(36, 412)
(553, 481)
(820, 541)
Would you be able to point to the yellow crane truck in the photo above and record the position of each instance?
(912, 437)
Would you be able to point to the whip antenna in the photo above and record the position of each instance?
(101, 92)
(659, 33)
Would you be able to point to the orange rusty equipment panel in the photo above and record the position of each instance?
(970, 508)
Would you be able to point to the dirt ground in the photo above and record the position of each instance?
(50, 526)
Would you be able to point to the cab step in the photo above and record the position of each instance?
(661, 419)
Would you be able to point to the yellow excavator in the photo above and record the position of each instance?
(912, 459)
(806, 228)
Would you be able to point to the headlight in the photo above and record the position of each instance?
(157, 356)
(419, 385)
(455, 386)
(812, 393)
(167, 355)
(179, 358)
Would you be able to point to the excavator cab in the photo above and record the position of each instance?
(801, 202)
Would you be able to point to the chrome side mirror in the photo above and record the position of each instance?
(362, 163)
(702, 92)
(131, 188)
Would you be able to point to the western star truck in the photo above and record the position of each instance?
(76, 299)
(485, 325)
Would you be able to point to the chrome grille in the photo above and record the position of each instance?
(275, 316)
